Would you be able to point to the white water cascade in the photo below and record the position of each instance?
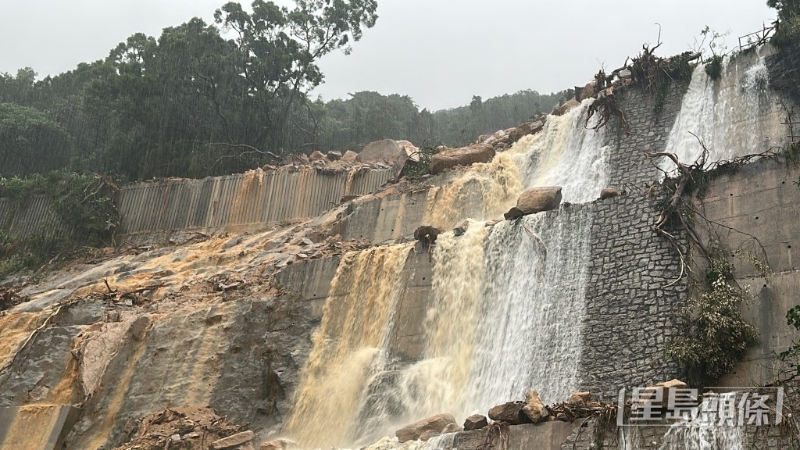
(732, 116)
(529, 336)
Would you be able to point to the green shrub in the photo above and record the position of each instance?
(713, 67)
(716, 335)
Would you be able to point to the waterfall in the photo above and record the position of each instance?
(438, 382)
(350, 345)
(733, 116)
(529, 335)
(508, 301)
(565, 153)
(568, 154)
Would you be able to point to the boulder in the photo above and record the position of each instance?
(437, 423)
(386, 152)
(580, 398)
(464, 156)
(513, 213)
(535, 200)
(452, 428)
(608, 192)
(530, 127)
(590, 90)
(412, 152)
(233, 441)
(350, 157)
(475, 422)
(316, 156)
(334, 156)
(461, 227)
(428, 434)
(563, 109)
(427, 234)
(534, 409)
(510, 412)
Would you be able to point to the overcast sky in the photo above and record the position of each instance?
(439, 52)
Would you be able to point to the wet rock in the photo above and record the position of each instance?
(535, 200)
(475, 422)
(534, 409)
(529, 128)
(608, 192)
(452, 428)
(334, 156)
(510, 412)
(513, 213)
(437, 423)
(316, 156)
(349, 157)
(590, 90)
(464, 156)
(386, 153)
(233, 441)
(580, 398)
(563, 109)
(429, 434)
(427, 234)
(461, 227)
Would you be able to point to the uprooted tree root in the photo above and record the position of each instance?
(691, 179)
(606, 107)
(655, 74)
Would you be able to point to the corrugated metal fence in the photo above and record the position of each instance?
(36, 218)
(252, 198)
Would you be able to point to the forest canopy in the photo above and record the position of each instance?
(208, 99)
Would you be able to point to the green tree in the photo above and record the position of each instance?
(278, 51)
(787, 9)
(30, 142)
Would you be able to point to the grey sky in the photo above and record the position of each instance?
(439, 52)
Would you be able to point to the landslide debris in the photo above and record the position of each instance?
(190, 427)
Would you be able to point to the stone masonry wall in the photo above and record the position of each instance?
(649, 130)
(631, 311)
(631, 314)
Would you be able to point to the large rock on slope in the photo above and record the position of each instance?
(412, 152)
(433, 424)
(475, 422)
(386, 151)
(510, 412)
(535, 200)
(464, 156)
(563, 109)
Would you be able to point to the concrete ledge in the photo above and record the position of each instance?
(36, 427)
